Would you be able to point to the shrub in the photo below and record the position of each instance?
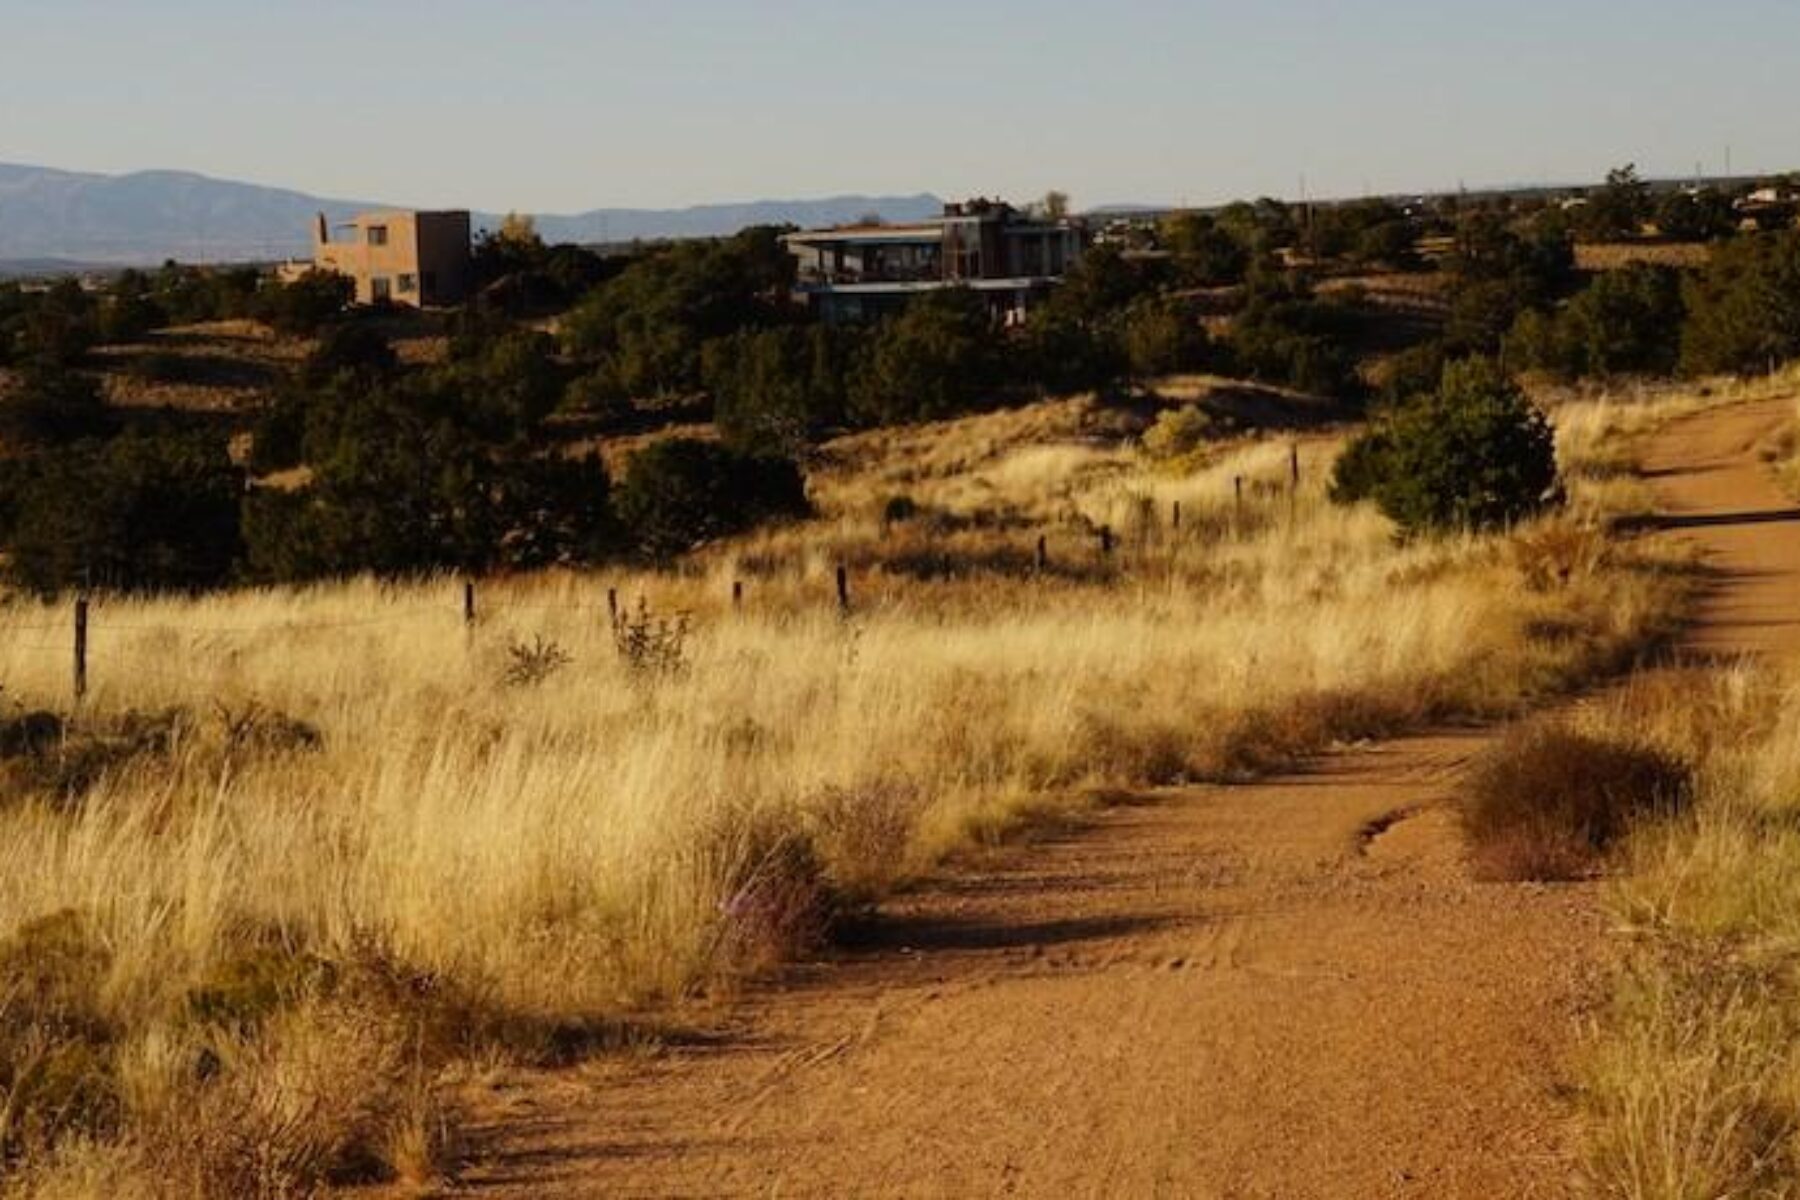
(651, 646)
(1626, 320)
(1286, 336)
(356, 349)
(51, 405)
(1206, 253)
(1696, 216)
(306, 305)
(938, 358)
(1062, 353)
(1160, 338)
(681, 492)
(1744, 308)
(1416, 371)
(597, 394)
(57, 1074)
(139, 512)
(646, 326)
(129, 313)
(1474, 455)
(531, 663)
(1179, 432)
(60, 327)
(1548, 803)
(776, 390)
(505, 382)
(410, 476)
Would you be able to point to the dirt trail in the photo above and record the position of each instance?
(1285, 990)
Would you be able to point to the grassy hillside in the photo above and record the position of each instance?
(306, 845)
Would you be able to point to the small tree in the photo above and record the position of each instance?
(681, 492)
(1619, 209)
(1473, 455)
(1161, 338)
(1625, 321)
(775, 390)
(1744, 308)
(1702, 216)
(305, 306)
(51, 405)
(1205, 252)
(139, 513)
(936, 359)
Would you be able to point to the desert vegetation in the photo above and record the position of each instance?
(302, 844)
(318, 830)
(1689, 1073)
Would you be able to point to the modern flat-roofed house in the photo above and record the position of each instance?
(1010, 258)
(420, 259)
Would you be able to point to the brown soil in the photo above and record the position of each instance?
(1290, 989)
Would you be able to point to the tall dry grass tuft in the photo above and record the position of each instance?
(1549, 803)
(1693, 1072)
(365, 840)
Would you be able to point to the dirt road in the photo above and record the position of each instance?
(1286, 990)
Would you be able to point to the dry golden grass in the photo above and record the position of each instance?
(354, 851)
(1613, 256)
(1782, 453)
(1693, 1074)
(1600, 428)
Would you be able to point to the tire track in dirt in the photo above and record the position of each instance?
(1291, 989)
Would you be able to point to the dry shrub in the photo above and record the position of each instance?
(256, 728)
(1179, 432)
(775, 900)
(1548, 803)
(29, 733)
(864, 836)
(299, 1075)
(1553, 554)
(310, 1101)
(1692, 1091)
(1144, 751)
(61, 762)
(651, 646)
(57, 1075)
(1273, 739)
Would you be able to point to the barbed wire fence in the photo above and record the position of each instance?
(619, 617)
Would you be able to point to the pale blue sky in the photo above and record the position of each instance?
(557, 105)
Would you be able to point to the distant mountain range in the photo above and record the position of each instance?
(148, 216)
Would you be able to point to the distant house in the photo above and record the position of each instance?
(1012, 259)
(421, 259)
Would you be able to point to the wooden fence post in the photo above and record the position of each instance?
(1175, 516)
(843, 588)
(1237, 484)
(612, 607)
(737, 593)
(1043, 554)
(81, 647)
(1294, 465)
(469, 602)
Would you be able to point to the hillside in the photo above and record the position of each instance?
(149, 216)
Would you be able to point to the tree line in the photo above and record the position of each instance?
(361, 463)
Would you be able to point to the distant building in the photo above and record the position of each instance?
(421, 259)
(1010, 258)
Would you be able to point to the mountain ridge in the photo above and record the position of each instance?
(147, 216)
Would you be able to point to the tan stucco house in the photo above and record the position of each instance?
(421, 259)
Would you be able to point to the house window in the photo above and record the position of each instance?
(408, 284)
(378, 235)
(381, 289)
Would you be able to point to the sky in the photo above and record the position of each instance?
(565, 105)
